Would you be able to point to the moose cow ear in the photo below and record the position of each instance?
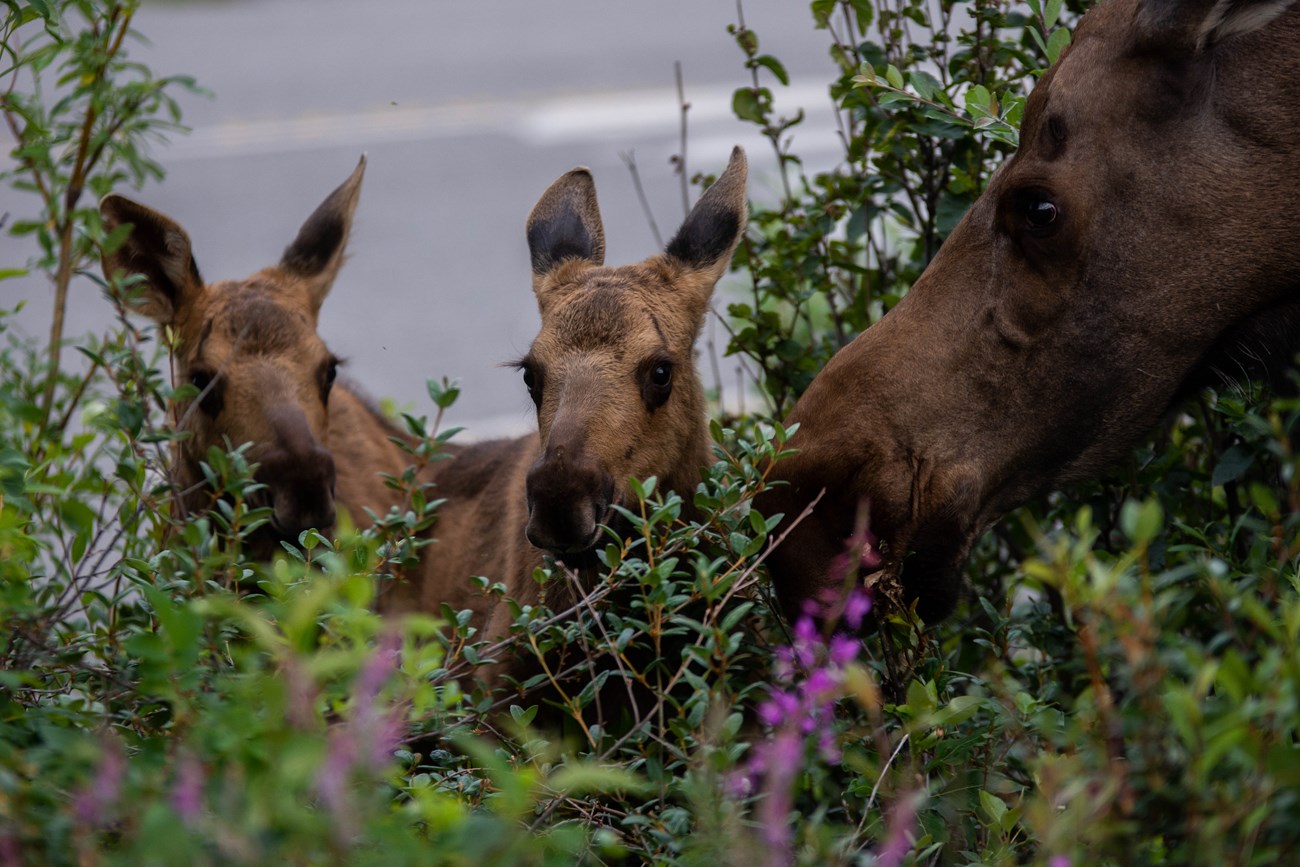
(158, 250)
(1194, 25)
(316, 255)
(713, 228)
(565, 224)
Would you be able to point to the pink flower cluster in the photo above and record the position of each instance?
(365, 741)
(809, 677)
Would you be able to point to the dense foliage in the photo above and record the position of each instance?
(1121, 687)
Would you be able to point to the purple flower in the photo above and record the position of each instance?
(11, 852)
(784, 759)
(366, 739)
(187, 788)
(856, 608)
(843, 649)
(91, 804)
(1059, 861)
(898, 839)
(800, 710)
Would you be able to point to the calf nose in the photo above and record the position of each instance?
(567, 498)
(302, 489)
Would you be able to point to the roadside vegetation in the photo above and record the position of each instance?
(1121, 685)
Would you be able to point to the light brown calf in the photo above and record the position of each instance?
(264, 375)
(613, 376)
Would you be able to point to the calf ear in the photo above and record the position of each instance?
(1194, 25)
(565, 224)
(316, 255)
(714, 226)
(158, 250)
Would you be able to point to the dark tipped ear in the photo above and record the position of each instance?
(157, 249)
(316, 255)
(565, 223)
(1194, 25)
(713, 227)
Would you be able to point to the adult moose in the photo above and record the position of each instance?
(263, 374)
(613, 378)
(1145, 231)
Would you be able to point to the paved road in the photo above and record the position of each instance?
(467, 111)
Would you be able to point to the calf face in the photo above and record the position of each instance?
(250, 349)
(612, 371)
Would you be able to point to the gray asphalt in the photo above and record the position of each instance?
(466, 111)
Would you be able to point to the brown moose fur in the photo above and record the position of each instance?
(607, 335)
(266, 376)
(1145, 229)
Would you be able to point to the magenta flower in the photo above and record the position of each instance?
(898, 837)
(800, 710)
(92, 803)
(364, 742)
(187, 788)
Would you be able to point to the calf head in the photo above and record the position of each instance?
(1144, 230)
(612, 371)
(251, 350)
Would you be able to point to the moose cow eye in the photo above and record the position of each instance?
(1041, 213)
(661, 375)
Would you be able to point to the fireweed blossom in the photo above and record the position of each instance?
(93, 802)
(809, 676)
(187, 788)
(365, 741)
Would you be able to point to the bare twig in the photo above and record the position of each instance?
(679, 161)
(629, 160)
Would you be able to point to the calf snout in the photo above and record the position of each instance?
(568, 498)
(299, 475)
(301, 487)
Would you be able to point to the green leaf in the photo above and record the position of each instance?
(1142, 521)
(747, 106)
(777, 68)
(1231, 465)
(1052, 13)
(926, 85)
(522, 716)
(1056, 43)
(894, 77)
(865, 10)
(994, 808)
(822, 10)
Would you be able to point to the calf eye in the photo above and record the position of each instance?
(209, 395)
(327, 376)
(533, 382)
(656, 383)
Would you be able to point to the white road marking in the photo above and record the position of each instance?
(610, 116)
